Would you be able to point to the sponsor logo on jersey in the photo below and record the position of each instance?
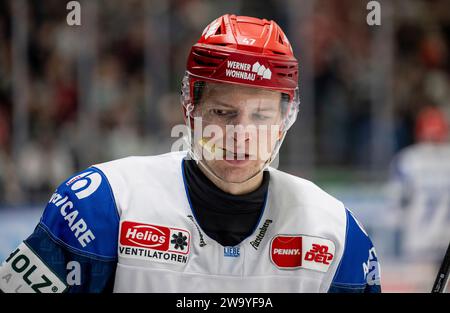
(247, 71)
(85, 184)
(371, 269)
(319, 254)
(262, 232)
(154, 242)
(82, 185)
(200, 234)
(24, 272)
(70, 214)
(300, 251)
(233, 252)
(286, 251)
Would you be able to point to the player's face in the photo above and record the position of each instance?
(240, 129)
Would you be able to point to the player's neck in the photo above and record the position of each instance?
(235, 188)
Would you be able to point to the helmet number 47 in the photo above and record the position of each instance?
(248, 41)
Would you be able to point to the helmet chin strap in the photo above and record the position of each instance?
(195, 155)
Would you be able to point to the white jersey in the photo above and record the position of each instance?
(421, 189)
(145, 234)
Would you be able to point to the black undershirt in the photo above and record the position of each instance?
(226, 218)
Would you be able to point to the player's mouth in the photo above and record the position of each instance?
(236, 158)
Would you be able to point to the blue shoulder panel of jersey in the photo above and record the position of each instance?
(82, 215)
(359, 269)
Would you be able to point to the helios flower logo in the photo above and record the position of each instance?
(179, 240)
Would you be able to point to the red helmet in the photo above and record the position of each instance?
(247, 51)
(431, 125)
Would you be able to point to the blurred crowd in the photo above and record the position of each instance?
(138, 63)
(419, 44)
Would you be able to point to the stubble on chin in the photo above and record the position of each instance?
(234, 174)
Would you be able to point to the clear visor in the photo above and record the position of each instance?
(225, 104)
(237, 124)
(230, 104)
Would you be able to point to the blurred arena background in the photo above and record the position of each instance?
(72, 96)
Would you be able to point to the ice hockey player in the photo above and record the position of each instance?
(419, 190)
(214, 218)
